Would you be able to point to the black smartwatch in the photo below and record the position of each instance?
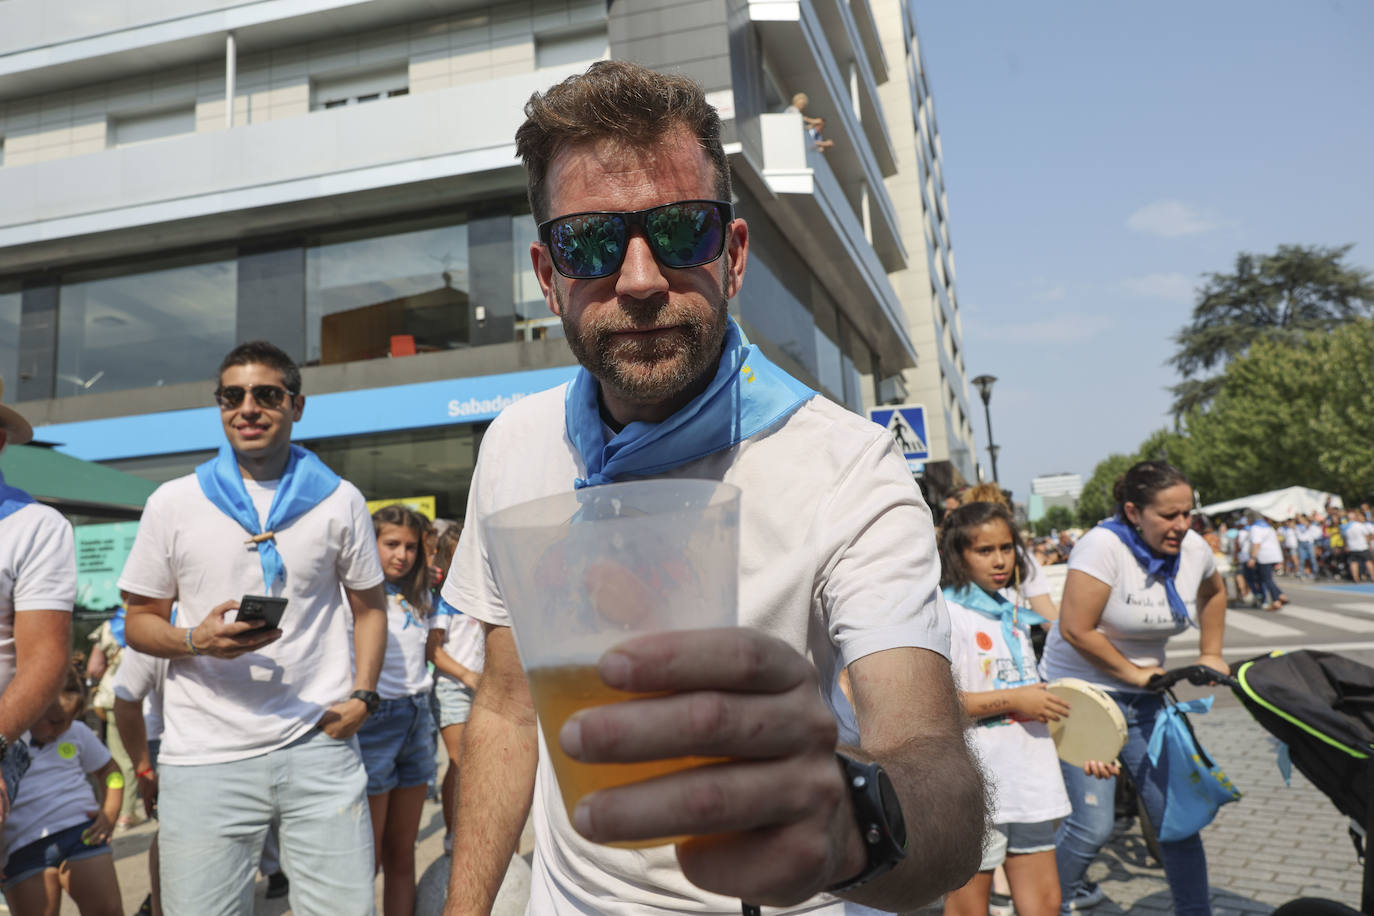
(4, 747)
(880, 820)
(370, 699)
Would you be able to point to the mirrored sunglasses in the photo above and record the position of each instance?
(685, 233)
(269, 397)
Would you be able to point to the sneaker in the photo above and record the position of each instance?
(1088, 896)
(277, 885)
(1000, 905)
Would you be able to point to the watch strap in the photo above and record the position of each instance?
(883, 831)
(371, 699)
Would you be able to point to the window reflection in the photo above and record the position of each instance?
(367, 292)
(157, 327)
(533, 321)
(424, 462)
(9, 340)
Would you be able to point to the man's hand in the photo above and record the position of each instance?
(1034, 701)
(147, 790)
(342, 720)
(775, 824)
(219, 638)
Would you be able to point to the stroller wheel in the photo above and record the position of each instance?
(1315, 906)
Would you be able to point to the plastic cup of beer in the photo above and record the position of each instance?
(583, 571)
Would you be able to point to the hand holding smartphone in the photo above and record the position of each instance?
(262, 610)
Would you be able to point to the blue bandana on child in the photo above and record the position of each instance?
(1163, 569)
(748, 394)
(305, 483)
(998, 608)
(12, 499)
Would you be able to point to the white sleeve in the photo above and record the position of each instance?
(138, 676)
(148, 570)
(1036, 583)
(45, 568)
(92, 753)
(879, 579)
(359, 565)
(1096, 554)
(470, 585)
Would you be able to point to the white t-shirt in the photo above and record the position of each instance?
(1024, 782)
(404, 671)
(1357, 535)
(1309, 533)
(464, 642)
(1264, 544)
(837, 559)
(1136, 618)
(1289, 535)
(55, 793)
(37, 571)
(1036, 584)
(140, 677)
(1243, 543)
(218, 710)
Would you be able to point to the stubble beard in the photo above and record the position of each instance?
(649, 371)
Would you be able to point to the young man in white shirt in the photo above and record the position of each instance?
(37, 592)
(838, 560)
(259, 721)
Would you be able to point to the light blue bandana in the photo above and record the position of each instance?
(998, 608)
(12, 499)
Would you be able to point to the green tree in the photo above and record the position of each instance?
(1277, 297)
(1096, 501)
(1055, 517)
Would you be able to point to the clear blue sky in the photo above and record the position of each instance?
(1100, 158)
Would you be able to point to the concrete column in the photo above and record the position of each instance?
(231, 59)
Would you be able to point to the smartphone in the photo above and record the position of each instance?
(261, 609)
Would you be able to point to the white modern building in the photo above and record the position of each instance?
(338, 176)
(1050, 490)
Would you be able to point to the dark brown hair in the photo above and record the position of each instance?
(448, 542)
(1143, 482)
(72, 695)
(620, 101)
(956, 534)
(415, 583)
(264, 353)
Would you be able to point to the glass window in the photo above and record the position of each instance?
(571, 47)
(363, 288)
(157, 327)
(357, 88)
(10, 299)
(771, 309)
(533, 320)
(434, 462)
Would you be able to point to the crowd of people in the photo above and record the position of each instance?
(877, 719)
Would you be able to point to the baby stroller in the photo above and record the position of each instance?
(1322, 707)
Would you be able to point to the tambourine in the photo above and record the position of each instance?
(1094, 729)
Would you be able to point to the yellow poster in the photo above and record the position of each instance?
(421, 504)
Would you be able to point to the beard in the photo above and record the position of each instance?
(653, 369)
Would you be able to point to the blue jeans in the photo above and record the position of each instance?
(214, 817)
(1306, 557)
(1088, 828)
(1269, 589)
(398, 744)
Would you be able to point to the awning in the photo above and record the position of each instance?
(71, 485)
(1277, 504)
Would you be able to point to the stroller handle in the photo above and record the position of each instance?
(1200, 675)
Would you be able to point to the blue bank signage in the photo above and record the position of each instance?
(340, 413)
(907, 426)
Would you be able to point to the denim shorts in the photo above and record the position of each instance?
(398, 743)
(50, 852)
(1016, 839)
(454, 700)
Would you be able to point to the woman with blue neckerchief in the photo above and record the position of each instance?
(398, 741)
(1134, 581)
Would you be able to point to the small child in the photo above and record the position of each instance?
(994, 667)
(56, 834)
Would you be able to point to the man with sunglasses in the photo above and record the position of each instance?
(37, 593)
(639, 252)
(259, 720)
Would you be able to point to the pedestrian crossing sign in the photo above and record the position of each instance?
(906, 424)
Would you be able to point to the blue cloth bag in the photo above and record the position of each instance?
(1195, 787)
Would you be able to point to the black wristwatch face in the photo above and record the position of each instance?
(370, 699)
(892, 809)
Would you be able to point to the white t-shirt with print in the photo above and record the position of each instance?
(37, 571)
(55, 793)
(464, 642)
(1136, 619)
(837, 559)
(218, 710)
(404, 670)
(1024, 782)
(140, 679)
(1264, 544)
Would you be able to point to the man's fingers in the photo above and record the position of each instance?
(701, 723)
(711, 799)
(799, 864)
(732, 658)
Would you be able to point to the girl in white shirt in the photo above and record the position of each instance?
(57, 835)
(397, 741)
(994, 667)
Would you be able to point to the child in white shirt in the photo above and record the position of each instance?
(994, 667)
(56, 829)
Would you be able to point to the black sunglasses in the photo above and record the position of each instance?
(269, 397)
(685, 233)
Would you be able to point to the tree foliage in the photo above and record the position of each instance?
(1277, 297)
(1096, 502)
(1289, 415)
(1055, 518)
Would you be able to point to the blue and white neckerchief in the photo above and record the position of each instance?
(413, 616)
(12, 499)
(996, 607)
(1156, 566)
(747, 395)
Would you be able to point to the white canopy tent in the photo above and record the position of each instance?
(1277, 504)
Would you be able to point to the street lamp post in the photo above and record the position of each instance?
(984, 385)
